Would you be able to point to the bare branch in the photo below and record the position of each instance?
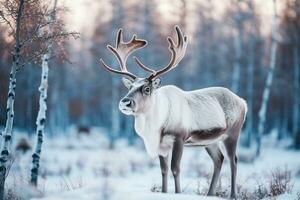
(6, 21)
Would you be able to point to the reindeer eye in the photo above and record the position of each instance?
(146, 90)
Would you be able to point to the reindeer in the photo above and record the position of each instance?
(168, 118)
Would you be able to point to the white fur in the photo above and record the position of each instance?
(148, 125)
(166, 144)
(173, 109)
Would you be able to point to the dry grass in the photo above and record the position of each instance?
(279, 182)
(222, 191)
(11, 195)
(258, 193)
(156, 188)
(264, 187)
(20, 189)
(68, 185)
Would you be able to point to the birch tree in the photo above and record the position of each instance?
(115, 114)
(7, 134)
(183, 23)
(205, 46)
(250, 73)
(266, 93)
(253, 37)
(148, 29)
(41, 118)
(237, 44)
(296, 89)
(292, 30)
(25, 20)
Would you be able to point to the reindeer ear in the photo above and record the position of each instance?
(156, 83)
(127, 82)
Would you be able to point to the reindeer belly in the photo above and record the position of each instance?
(206, 137)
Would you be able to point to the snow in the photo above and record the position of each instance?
(78, 166)
(120, 192)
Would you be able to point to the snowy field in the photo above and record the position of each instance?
(81, 167)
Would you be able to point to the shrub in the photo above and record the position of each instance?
(280, 182)
(156, 188)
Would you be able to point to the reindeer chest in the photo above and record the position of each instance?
(156, 142)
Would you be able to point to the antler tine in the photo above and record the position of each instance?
(122, 51)
(179, 36)
(126, 73)
(143, 66)
(177, 53)
(169, 66)
(182, 43)
(119, 37)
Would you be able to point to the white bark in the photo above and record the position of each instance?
(296, 93)
(237, 65)
(41, 118)
(7, 135)
(250, 73)
(267, 89)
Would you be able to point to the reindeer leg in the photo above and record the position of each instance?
(175, 162)
(230, 145)
(217, 157)
(164, 172)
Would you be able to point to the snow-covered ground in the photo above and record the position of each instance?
(81, 167)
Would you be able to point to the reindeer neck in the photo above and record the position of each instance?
(148, 125)
(145, 121)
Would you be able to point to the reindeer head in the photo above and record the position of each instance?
(140, 96)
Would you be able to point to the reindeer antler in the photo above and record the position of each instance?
(122, 51)
(177, 53)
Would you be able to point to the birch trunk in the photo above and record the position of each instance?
(7, 134)
(237, 45)
(250, 73)
(296, 131)
(41, 118)
(115, 115)
(296, 95)
(237, 65)
(282, 119)
(267, 89)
